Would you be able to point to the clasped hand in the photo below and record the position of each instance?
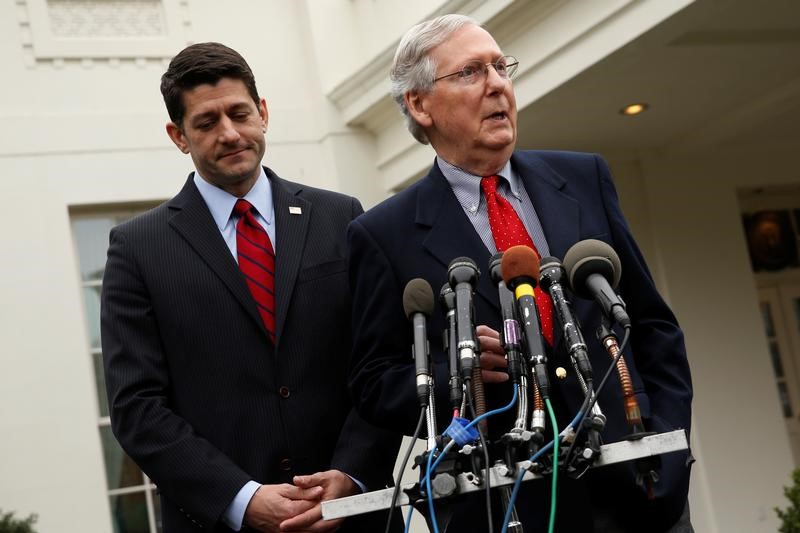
(298, 507)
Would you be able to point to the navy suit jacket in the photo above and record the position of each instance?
(200, 398)
(417, 232)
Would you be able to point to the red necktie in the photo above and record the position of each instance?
(507, 231)
(257, 262)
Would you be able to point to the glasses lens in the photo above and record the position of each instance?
(472, 71)
(511, 65)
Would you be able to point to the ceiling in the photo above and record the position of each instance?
(719, 74)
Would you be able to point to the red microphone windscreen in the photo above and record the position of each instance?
(520, 262)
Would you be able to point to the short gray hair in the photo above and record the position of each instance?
(413, 69)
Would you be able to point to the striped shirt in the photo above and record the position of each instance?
(467, 188)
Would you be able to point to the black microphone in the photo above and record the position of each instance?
(447, 298)
(551, 276)
(418, 305)
(594, 270)
(510, 333)
(520, 267)
(463, 275)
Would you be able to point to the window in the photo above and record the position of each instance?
(134, 506)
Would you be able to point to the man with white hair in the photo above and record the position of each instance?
(454, 85)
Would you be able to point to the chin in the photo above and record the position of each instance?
(502, 146)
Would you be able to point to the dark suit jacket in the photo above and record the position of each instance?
(200, 398)
(419, 231)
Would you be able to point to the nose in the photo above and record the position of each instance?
(228, 132)
(494, 82)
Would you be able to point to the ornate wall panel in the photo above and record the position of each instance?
(64, 32)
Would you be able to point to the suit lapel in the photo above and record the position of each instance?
(290, 236)
(451, 233)
(558, 212)
(193, 221)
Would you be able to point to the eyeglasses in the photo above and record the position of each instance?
(475, 70)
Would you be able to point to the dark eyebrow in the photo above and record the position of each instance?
(240, 106)
(202, 116)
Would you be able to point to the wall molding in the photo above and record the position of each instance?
(88, 32)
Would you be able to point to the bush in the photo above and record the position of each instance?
(790, 517)
(9, 524)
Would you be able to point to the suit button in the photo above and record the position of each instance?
(284, 392)
(285, 464)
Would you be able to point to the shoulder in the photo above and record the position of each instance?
(558, 157)
(403, 205)
(307, 191)
(562, 167)
(145, 223)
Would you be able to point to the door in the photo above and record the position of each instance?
(780, 312)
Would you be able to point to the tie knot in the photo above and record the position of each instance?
(241, 207)
(489, 184)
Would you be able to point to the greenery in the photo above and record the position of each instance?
(790, 517)
(9, 524)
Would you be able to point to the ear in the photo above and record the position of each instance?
(416, 104)
(263, 112)
(176, 135)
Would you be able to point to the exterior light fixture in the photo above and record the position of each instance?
(634, 109)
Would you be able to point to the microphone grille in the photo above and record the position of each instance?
(462, 270)
(591, 256)
(496, 267)
(520, 262)
(418, 298)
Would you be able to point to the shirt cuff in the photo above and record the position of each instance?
(234, 514)
(361, 486)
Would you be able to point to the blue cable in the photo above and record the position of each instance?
(476, 421)
(532, 459)
(408, 518)
(497, 411)
(432, 468)
(434, 523)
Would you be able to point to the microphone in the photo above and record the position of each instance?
(418, 305)
(594, 270)
(551, 276)
(447, 298)
(510, 333)
(463, 275)
(519, 267)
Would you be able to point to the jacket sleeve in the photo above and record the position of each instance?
(190, 471)
(364, 451)
(657, 354)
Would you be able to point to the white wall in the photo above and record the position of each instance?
(684, 211)
(92, 133)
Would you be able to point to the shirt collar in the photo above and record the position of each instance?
(221, 202)
(467, 187)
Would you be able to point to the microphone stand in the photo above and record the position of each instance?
(430, 417)
(633, 415)
(646, 468)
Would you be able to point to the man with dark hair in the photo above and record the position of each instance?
(454, 85)
(225, 327)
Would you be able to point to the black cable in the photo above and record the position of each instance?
(487, 478)
(396, 492)
(610, 368)
(596, 395)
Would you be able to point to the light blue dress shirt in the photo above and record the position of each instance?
(467, 189)
(221, 203)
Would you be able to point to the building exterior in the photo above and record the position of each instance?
(84, 146)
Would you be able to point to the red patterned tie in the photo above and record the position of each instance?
(507, 231)
(257, 262)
